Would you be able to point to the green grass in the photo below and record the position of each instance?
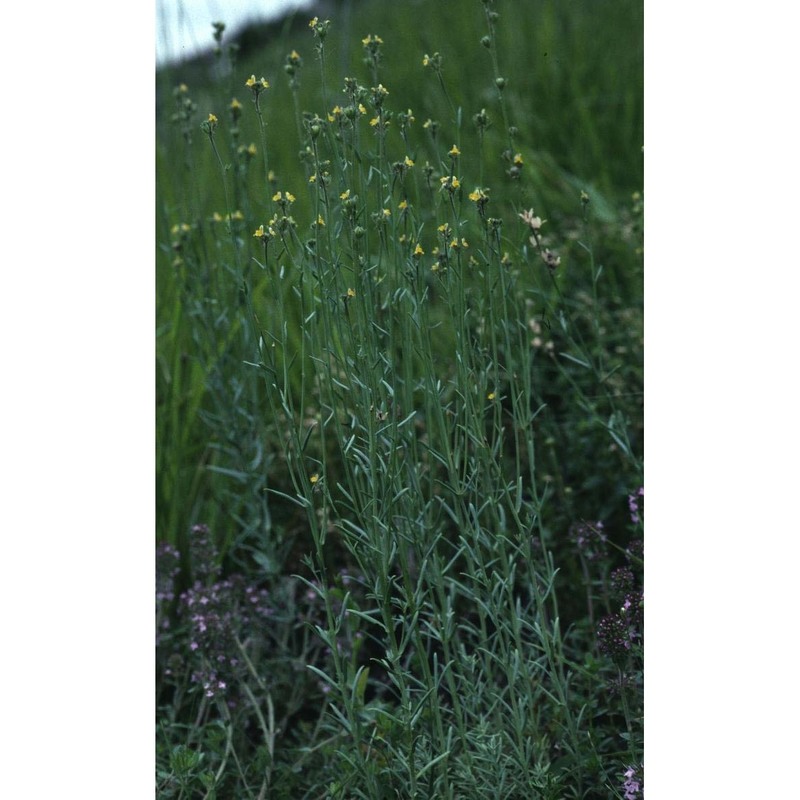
(408, 435)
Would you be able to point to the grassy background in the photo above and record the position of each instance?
(574, 92)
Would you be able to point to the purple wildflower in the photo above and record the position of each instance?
(204, 554)
(212, 685)
(632, 611)
(217, 615)
(590, 540)
(635, 551)
(633, 505)
(614, 637)
(632, 785)
(167, 568)
(622, 581)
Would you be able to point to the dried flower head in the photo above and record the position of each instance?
(551, 259)
(532, 221)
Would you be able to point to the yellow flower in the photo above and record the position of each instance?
(212, 119)
(405, 119)
(387, 213)
(313, 178)
(518, 162)
(408, 162)
(259, 232)
(361, 109)
(235, 104)
(434, 61)
(351, 292)
(344, 195)
(418, 251)
(491, 396)
(252, 83)
(450, 182)
(314, 478)
(374, 121)
(454, 151)
(403, 205)
(319, 29)
(251, 150)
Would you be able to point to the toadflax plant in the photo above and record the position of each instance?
(412, 383)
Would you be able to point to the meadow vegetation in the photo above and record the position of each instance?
(399, 406)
